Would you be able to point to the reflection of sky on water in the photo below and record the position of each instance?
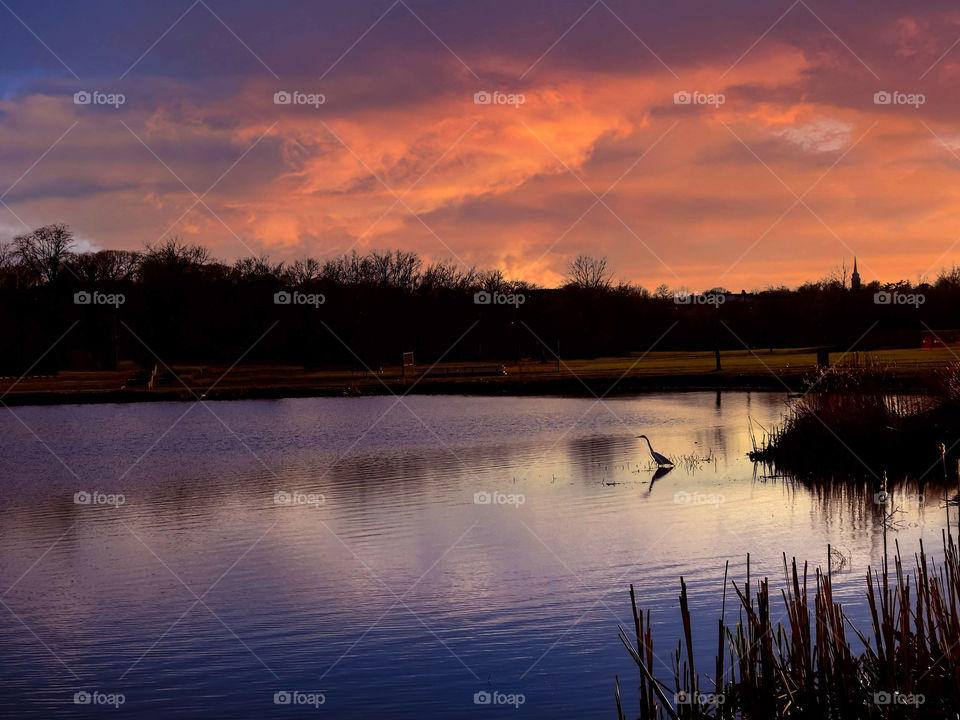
(399, 595)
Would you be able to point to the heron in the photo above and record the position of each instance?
(659, 459)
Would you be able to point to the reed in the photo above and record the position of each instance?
(850, 422)
(906, 666)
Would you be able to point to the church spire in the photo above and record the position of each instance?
(855, 276)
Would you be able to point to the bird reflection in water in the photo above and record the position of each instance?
(659, 473)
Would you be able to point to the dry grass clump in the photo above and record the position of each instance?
(851, 420)
(808, 668)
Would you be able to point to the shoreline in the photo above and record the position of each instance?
(594, 386)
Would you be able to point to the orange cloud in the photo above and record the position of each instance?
(699, 195)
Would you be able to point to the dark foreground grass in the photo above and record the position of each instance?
(908, 667)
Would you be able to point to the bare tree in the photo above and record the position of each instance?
(379, 267)
(335, 270)
(173, 257)
(176, 251)
(11, 273)
(357, 268)
(7, 255)
(119, 265)
(589, 273)
(492, 280)
(44, 251)
(406, 269)
(440, 274)
(627, 288)
(252, 268)
(106, 265)
(949, 277)
(304, 271)
(446, 274)
(836, 278)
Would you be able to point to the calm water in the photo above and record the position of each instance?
(387, 585)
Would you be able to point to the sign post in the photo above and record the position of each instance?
(406, 362)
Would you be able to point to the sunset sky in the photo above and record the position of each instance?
(796, 170)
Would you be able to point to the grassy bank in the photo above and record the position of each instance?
(777, 370)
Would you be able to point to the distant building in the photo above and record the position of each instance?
(931, 339)
(742, 297)
(855, 277)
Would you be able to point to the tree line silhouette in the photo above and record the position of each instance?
(63, 309)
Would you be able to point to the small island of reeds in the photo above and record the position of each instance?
(853, 419)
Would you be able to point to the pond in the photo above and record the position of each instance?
(430, 557)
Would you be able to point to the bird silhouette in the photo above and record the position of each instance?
(659, 459)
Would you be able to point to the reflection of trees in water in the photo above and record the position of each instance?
(858, 511)
(601, 457)
(714, 443)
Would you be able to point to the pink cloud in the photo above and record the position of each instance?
(701, 197)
